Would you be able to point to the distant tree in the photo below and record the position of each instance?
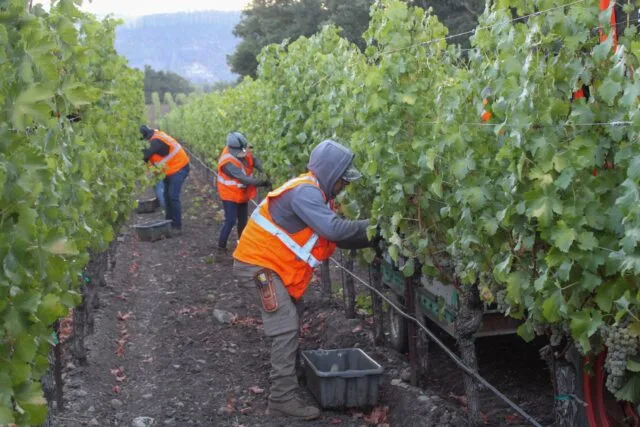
(168, 100)
(163, 82)
(459, 16)
(352, 16)
(181, 98)
(271, 21)
(157, 108)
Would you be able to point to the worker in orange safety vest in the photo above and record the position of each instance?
(167, 153)
(293, 230)
(236, 184)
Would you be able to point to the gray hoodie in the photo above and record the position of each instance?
(305, 205)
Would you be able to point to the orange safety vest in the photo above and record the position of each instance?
(229, 188)
(175, 160)
(291, 256)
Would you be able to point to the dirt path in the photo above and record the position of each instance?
(165, 347)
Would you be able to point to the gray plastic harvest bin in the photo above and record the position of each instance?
(153, 230)
(342, 378)
(147, 205)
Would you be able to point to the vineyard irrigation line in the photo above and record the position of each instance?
(431, 335)
(449, 353)
(464, 33)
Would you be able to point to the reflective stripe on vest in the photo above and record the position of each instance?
(302, 252)
(175, 148)
(233, 182)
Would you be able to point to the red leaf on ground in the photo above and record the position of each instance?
(335, 421)
(120, 351)
(377, 416)
(462, 400)
(230, 404)
(245, 411)
(116, 389)
(256, 390)
(119, 374)
(304, 330)
(125, 316)
(512, 419)
(121, 297)
(133, 267)
(357, 329)
(357, 415)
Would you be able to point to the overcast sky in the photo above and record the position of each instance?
(150, 7)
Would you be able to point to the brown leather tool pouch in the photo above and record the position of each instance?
(264, 283)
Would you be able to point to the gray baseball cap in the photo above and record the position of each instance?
(352, 174)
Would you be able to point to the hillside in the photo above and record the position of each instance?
(193, 44)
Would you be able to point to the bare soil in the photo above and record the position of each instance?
(158, 350)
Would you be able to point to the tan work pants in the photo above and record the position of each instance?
(282, 326)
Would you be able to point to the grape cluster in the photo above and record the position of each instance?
(557, 334)
(620, 346)
(501, 300)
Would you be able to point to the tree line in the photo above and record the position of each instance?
(265, 22)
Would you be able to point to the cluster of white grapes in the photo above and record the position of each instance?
(557, 334)
(620, 346)
(501, 301)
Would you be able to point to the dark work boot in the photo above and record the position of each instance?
(295, 407)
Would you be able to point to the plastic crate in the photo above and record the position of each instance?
(344, 378)
(147, 205)
(153, 230)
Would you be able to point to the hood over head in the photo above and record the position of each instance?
(331, 161)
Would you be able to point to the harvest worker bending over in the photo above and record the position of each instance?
(292, 231)
(166, 152)
(236, 184)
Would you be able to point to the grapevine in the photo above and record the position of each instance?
(507, 201)
(69, 162)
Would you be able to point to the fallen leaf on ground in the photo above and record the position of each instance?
(357, 329)
(120, 351)
(116, 389)
(230, 404)
(256, 390)
(119, 374)
(335, 421)
(124, 317)
(377, 416)
(133, 267)
(460, 399)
